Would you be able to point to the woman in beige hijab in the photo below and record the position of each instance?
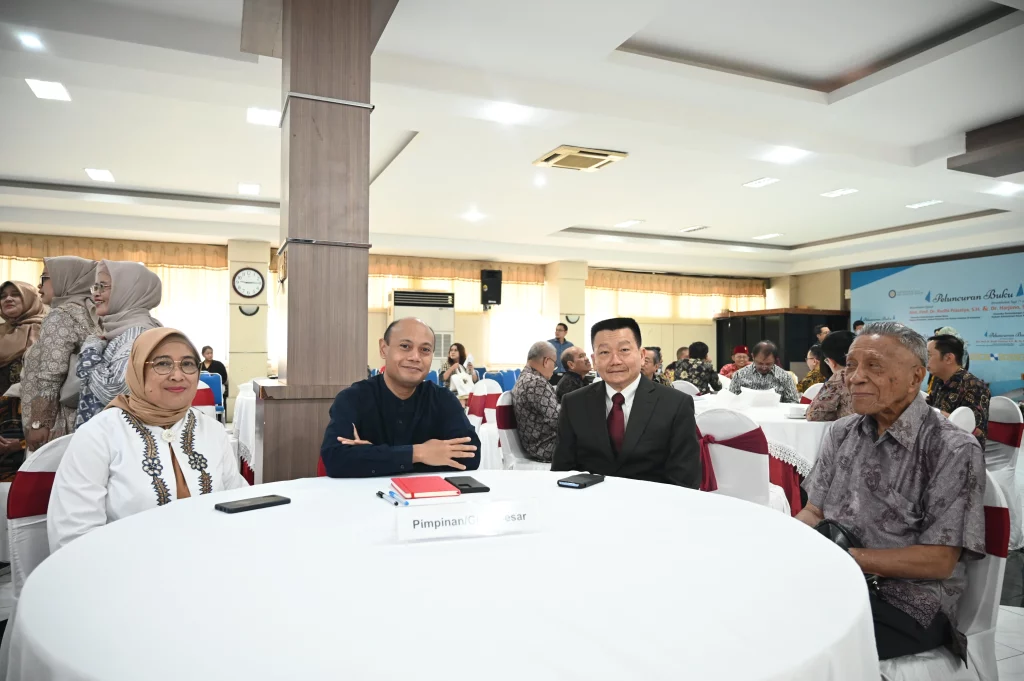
(124, 294)
(22, 312)
(146, 449)
(49, 398)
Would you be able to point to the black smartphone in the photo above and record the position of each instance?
(581, 480)
(243, 505)
(467, 484)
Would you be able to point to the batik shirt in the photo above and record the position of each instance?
(536, 410)
(813, 377)
(833, 401)
(777, 379)
(963, 389)
(699, 372)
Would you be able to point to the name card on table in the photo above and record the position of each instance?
(469, 519)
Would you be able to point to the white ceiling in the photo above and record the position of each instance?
(165, 112)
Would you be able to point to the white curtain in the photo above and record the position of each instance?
(27, 271)
(517, 323)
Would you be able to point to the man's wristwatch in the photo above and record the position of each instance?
(36, 425)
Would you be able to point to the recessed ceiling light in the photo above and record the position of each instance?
(31, 41)
(610, 238)
(248, 189)
(785, 155)
(46, 89)
(630, 223)
(695, 228)
(257, 116)
(473, 215)
(506, 113)
(835, 193)
(766, 236)
(742, 249)
(763, 182)
(539, 180)
(1006, 189)
(99, 175)
(924, 204)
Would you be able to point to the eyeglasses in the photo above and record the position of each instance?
(99, 288)
(163, 367)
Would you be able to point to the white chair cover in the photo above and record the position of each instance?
(686, 387)
(1001, 462)
(978, 612)
(726, 382)
(512, 453)
(477, 407)
(963, 418)
(740, 474)
(813, 391)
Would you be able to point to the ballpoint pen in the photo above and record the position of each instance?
(387, 498)
(397, 498)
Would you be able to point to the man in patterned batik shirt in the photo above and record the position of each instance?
(698, 370)
(910, 486)
(652, 364)
(535, 404)
(765, 374)
(955, 386)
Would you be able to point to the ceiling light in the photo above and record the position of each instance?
(763, 182)
(630, 223)
(473, 215)
(835, 193)
(539, 180)
(99, 175)
(695, 228)
(923, 204)
(506, 113)
(742, 249)
(1006, 189)
(766, 236)
(610, 238)
(248, 189)
(45, 89)
(785, 155)
(256, 116)
(31, 41)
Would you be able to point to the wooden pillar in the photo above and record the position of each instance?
(326, 47)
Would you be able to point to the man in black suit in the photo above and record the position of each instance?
(626, 425)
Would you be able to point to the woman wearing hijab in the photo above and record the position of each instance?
(49, 397)
(22, 312)
(124, 294)
(146, 449)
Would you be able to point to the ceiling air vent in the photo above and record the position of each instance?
(579, 158)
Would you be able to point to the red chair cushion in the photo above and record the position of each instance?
(29, 494)
(997, 531)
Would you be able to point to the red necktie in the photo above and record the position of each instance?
(617, 422)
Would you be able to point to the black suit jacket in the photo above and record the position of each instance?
(660, 443)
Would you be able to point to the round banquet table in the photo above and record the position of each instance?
(624, 580)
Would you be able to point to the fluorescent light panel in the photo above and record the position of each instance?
(763, 182)
(766, 236)
(248, 189)
(630, 223)
(257, 116)
(99, 175)
(924, 204)
(785, 155)
(30, 41)
(836, 193)
(473, 215)
(46, 89)
(695, 228)
(539, 180)
(1006, 189)
(506, 113)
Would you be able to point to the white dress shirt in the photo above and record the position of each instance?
(107, 471)
(629, 392)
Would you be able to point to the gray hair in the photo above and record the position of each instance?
(540, 350)
(657, 353)
(907, 337)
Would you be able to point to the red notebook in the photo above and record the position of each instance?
(422, 488)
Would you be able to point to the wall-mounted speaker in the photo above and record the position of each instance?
(490, 287)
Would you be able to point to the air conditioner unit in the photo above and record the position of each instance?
(436, 308)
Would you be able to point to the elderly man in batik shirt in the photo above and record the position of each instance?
(651, 367)
(910, 486)
(765, 374)
(535, 404)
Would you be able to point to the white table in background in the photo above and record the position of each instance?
(244, 428)
(628, 580)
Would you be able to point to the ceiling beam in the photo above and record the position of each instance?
(262, 19)
(993, 151)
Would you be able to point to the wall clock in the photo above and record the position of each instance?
(248, 282)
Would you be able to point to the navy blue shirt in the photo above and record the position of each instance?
(559, 349)
(393, 426)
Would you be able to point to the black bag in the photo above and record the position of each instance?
(845, 539)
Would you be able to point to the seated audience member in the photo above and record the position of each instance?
(909, 485)
(22, 312)
(652, 365)
(765, 374)
(740, 359)
(820, 332)
(577, 370)
(626, 425)
(456, 364)
(396, 422)
(535, 403)
(146, 449)
(682, 353)
(955, 386)
(833, 401)
(857, 326)
(210, 365)
(815, 375)
(698, 370)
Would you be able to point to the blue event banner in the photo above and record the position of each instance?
(982, 298)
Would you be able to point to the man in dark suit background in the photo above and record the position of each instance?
(626, 425)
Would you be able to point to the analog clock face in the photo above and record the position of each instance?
(248, 282)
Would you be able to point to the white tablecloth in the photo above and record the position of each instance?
(244, 428)
(797, 436)
(628, 580)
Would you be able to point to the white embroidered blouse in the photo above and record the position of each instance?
(116, 466)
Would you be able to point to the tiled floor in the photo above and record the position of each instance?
(1010, 643)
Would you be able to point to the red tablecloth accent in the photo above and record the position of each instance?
(779, 472)
(785, 476)
(1009, 434)
(805, 400)
(248, 474)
